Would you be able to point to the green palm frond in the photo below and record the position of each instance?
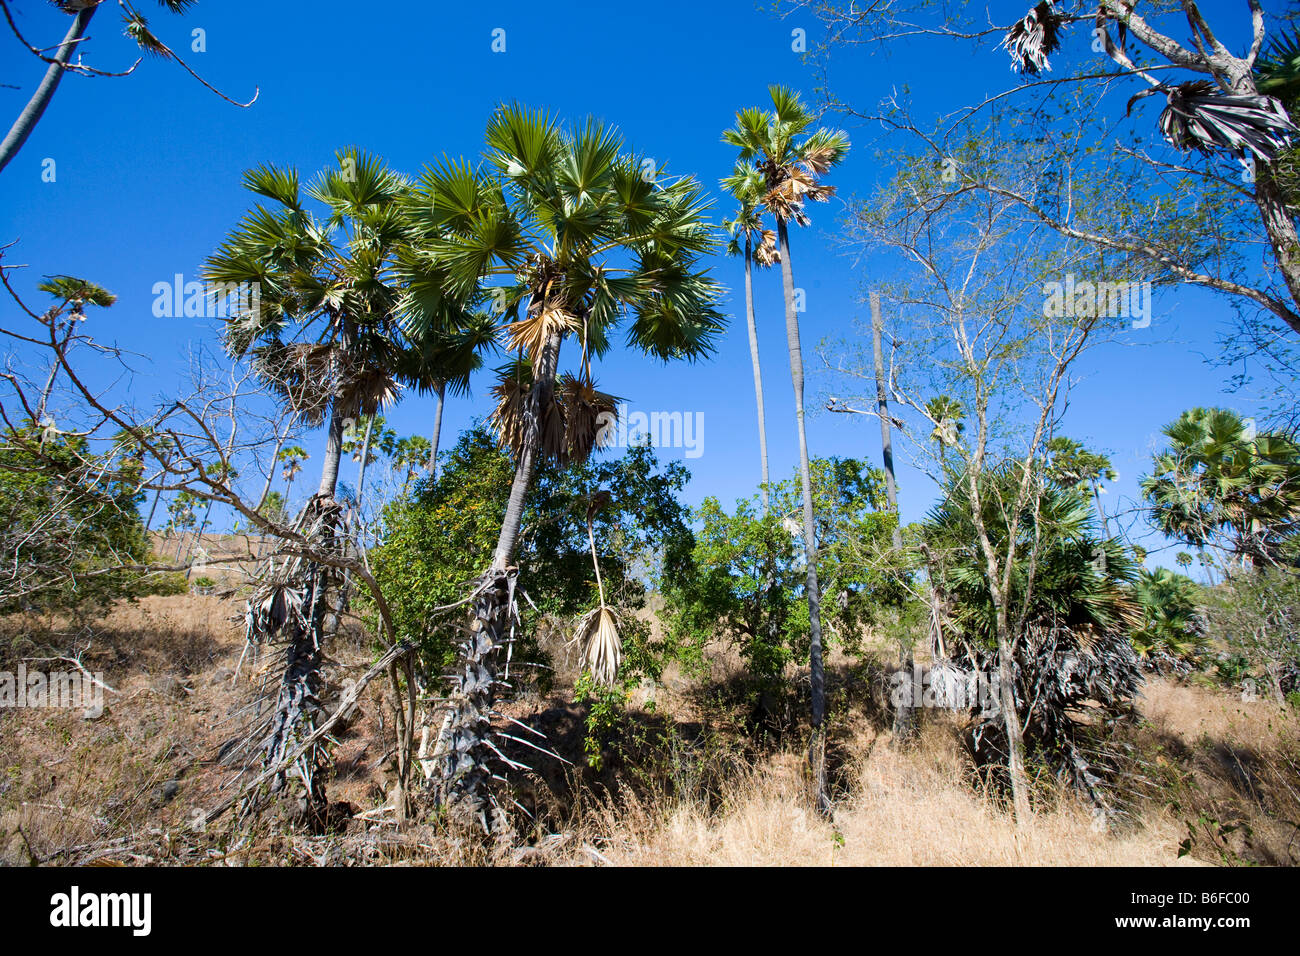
(76, 292)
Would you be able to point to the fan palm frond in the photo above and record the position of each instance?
(602, 648)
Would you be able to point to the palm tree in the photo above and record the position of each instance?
(1220, 484)
(322, 334)
(1073, 612)
(1071, 464)
(291, 460)
(411, 454)
(746, 185)
(583, 237)
(791, 161)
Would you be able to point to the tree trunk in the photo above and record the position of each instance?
(1280, 226)
(1096, 497)
(365, 460)
(817, 674)
(157, 496)
(1011, 720)
(904, 717)
(441, 392)
(35, 107)
(329, 477)
(270, 473)
(465, 751)
(758, 373)
(538, 397)
(198, 540)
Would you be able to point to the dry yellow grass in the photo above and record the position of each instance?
(73, 784)
(906, 810)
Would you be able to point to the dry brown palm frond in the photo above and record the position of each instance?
(303, 373)
(509, 418)
(1201, 116)
(365, 391)
(766, 253)
(529, 335)
(583, 405)
(554, 431)
(819, 160)
(602, 648)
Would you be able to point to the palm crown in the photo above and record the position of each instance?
(322, 333)
(790, 160)
(582, 235)
(1217, 477)
(746, 184)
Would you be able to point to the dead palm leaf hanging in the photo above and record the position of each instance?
(583, 405)
(766, 253)
(569, 416)
(1034, 38)
(529, 335)
(597, 632)
(1200, 116)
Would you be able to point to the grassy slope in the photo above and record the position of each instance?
(74, 790)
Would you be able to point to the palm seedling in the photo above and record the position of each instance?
(582, 235)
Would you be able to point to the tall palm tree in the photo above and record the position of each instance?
(583, 237)
(321, 333)
(746, 184)
(792, 160)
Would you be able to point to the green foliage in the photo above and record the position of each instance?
(1221, 484)
(747, 574)
(442, 536)
(1064, 574)
(607, 706)
(1257, 615)
(67, 529)
(1171, 622)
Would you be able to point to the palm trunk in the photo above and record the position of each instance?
(758, 372)
(329, 477)
(465, 750)
(904, 716)
(817, 674)
(441, 392)
(538, 398)
(35, 107)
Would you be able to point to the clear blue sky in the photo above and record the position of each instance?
(148, 171)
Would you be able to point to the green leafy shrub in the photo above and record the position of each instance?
(70, 526)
